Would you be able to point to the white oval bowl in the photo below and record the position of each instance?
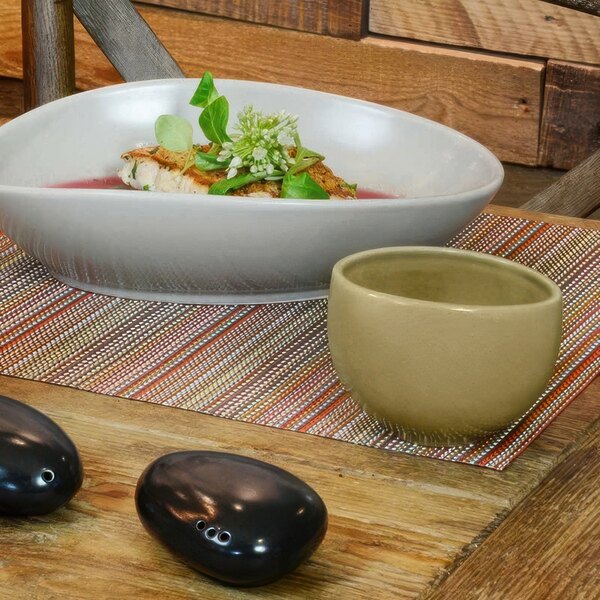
(198, 248)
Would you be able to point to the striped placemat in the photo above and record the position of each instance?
(270, 364)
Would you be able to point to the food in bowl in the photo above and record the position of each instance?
(202, 248)
(264, 157)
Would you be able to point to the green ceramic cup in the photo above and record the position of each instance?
(442, 345)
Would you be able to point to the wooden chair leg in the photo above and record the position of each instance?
(126, 40)
(48, 50)
(575, 194)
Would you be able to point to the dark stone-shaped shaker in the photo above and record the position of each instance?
(40, 468)
(239, 520)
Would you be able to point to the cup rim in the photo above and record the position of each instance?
(554, 293)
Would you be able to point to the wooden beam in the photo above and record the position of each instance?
(338, 18)
(48, 50)
(576, 194)
(570, 129)
(521, 27)
(127, 41)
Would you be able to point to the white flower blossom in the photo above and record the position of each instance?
(284, 138)
(261, 142)
(259, 153)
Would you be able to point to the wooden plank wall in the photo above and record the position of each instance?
(571, 117)
(523, 27)
(476, 65)
(339, 18)
(567, 39)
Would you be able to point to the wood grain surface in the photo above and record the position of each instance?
(522, 183)
(495, 100)
(126, 40)
(339, 18)
(543, 548)
(577, 193)
(522, 27)
(570, 129)
(569, 221)
(11, 98)
(48, 50)
(591, 7)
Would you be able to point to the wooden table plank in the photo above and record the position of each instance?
(549, 546)
(547, 218)
(397, 523)
(392, 545)
(521, 27)
(496, 100)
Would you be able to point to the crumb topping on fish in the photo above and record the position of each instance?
(154, 168)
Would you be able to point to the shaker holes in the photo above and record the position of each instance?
(224, 537)
(48, 475)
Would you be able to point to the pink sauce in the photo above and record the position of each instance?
(97, 183)
(115, 183)
(366, 193)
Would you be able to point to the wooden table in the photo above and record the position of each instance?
(400, 526)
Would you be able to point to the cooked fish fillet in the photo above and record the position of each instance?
(155, 169)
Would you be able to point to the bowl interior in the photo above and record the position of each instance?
(447, 276)
(381, 149)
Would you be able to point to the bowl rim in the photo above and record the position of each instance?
(554, 294)
(46, 110)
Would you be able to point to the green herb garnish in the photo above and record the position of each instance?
(302, 186)
(228, 185)
(304, 157)
(206, 92)
(208, 162)
(173, 133)
(213, 121)
(259, 148)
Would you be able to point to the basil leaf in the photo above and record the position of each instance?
(206, 92)
(213, 121)
(302, 186)
(304, 157)
(208, 162)
(173, 133)
(303, 164)
(304, 153)
(225, 186)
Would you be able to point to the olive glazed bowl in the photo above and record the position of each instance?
(442, 345)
